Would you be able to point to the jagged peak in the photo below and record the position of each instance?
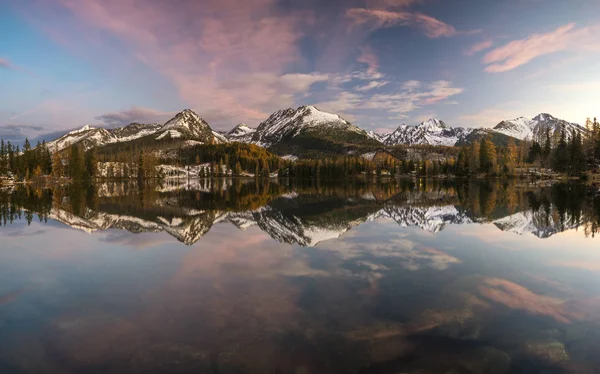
(402, 127)
(433, 124)
(242, 126)
(544, 117)
(83, 129)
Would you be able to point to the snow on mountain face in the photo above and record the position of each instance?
(292, 122)
(535, 128)
(188, 125)
(377, 136)
(538, 223)
(134, 131)
(87, 136)
(241, 133)
(520, 128)
(430, 132)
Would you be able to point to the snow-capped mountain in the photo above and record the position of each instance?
(134, 131)
(87, 136)
(289, 123)
(188, 125)
(430, 132)
(535, 128)
(241, 133)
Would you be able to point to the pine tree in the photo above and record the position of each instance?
(561, 154)
(547, 150)
(577, 154)
(141, 167)
(474, 157)
(57, 166)
(487, 156)
(511, 158)
(76, 163)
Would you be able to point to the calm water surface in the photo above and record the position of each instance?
(264, 277)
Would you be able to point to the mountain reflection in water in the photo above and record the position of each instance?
(290, 277)
(307, 214)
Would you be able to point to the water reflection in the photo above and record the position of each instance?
(307, 214)
(427, 277)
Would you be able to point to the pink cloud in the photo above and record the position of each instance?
(368, 57)
(523, 51)
(6, 64)
(202, 47)
(381, 18)
(479, 47)
(432, 27)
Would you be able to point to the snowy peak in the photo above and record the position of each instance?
(288, 123)
(87, 136)
(241, 133)
(84, 128)
(520, 128)
(535, 128)
(187, 119)
(134, 131)
(189, 126)
(430, 132)
(544, 117)
(433, 125)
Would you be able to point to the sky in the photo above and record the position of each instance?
(377, 63)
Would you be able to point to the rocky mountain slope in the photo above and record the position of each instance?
(188, 125)
(535, 128)
(241, 133)
(430, 132)
(306, 127)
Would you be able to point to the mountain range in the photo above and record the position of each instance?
(307, 129)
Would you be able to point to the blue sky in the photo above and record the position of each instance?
(378, 63)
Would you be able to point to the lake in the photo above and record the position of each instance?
(245, 276)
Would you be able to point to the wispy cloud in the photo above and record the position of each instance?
(367, 56)
(407, 97)
(482, 46)
(371, 86)
(523, 51)
(382, 18)
(4, 63)
(222, 41)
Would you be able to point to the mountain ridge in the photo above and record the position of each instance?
(295, 131)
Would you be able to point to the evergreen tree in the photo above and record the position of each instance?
(577, 154)
(487, 156)
(547, 150)
(511, 158)
(57, 166)
(561, 154)
(535, 153)
(474, 157)
(76, 163)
